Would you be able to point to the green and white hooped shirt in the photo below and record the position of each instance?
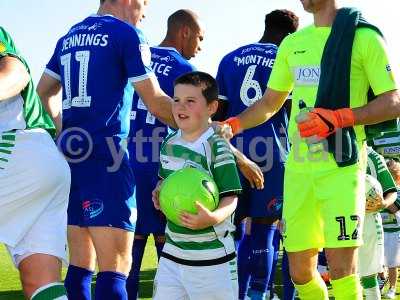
(210, 153)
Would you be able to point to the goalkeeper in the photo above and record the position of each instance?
(320, 195)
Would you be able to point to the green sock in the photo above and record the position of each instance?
(313, 290)
(347, 288)
(52, 291)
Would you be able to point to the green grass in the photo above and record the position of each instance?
(10, 287)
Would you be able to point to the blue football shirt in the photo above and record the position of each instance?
(242, 79)
(146, 132)
(96, 62)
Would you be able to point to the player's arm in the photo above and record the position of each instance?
(206, 218)
(155, 194)
(13, 77)
(250, 170)
(48, 90)
(385, 107)
(156, 101)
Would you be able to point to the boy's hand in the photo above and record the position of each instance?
(374, 204)
(155, 195)
(203, 219)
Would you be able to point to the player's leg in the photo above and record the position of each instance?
(132, 283)
(242, 237)
(371, 255)
(217, 282)
(301, 210)
(271, 283)
(113, 248)
(168, 281)
(262, 256)
(288, 287)
(265, 210)
(393, 276)
(47, 281)
(35, 181)
(243, 257)
(82, 263)
(343, 215)
(392, 260)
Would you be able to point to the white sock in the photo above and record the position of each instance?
(372, 293)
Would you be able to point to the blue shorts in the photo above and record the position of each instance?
(99, 197)
(262, 203)
(149, 220)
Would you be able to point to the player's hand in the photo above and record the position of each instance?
(155, 195)
(374, 204)
(323, 122)
(223, 130)
(203, 219)
(252, 172)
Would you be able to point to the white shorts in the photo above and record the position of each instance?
(392, 249)
(34, 190)
(371, 253)
(174, 281)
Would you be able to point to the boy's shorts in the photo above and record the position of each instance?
(149, 219)
(100, 197)
(371, 253)
(35, 182)
(176, 281)
(323, 209)
(392, 249)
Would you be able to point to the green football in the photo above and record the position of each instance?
(180, 190)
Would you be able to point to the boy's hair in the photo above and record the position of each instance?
(205, 81)
(281, 20)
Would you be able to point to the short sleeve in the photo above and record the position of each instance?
(221, 83)
(136, 55)
(384, 177)
(7, 46)
(376, 63)
(223, 168)
(53, 66)
(281, 78)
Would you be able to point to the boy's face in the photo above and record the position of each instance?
(190, 109)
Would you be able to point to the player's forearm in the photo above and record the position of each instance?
(263, 109)
(13, 77)
(226, 207)
(389, 199)
(48, 90)
(385, 107)
(162, 109)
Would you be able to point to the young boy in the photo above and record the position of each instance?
(198, 259)
(391, 229)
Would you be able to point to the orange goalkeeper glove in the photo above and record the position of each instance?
(323, 122)
(234, 123)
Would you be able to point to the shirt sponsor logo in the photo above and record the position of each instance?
(299, 51)
(145, 54)
(307, 75)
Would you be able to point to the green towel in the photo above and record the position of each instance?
(334, 85)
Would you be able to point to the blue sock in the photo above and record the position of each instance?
(288, 287)
(262, 255)
(244, 249)
(276, 243)
(78, 283)
(132, 283)
(111, 286)
(159, 247)
(239, 234)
